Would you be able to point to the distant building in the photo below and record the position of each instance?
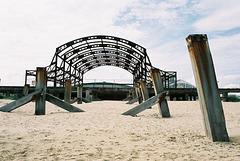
(184, 84)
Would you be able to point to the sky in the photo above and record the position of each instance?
(31, 30)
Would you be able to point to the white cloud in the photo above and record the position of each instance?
(166, 13)
(219, 15)
(31, 30)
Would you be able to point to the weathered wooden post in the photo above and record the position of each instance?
(67, 91)
(41, 84)
(26, 89)
(205, 78)
(158, 88)
(79, 94)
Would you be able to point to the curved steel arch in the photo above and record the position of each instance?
(73, 59)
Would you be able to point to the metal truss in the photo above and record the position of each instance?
(73, 59)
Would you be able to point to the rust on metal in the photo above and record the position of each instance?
(138, 94)
(75, 58)
(205, 78)
(41, 84)
(158, 88)
(144, 90)
(67, 91)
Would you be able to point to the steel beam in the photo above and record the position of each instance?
(145, 105)
(207, 87)
(66, 106)
(20, 102)
(41, 84)
(158, 88)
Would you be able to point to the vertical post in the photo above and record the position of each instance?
(225, 96)
(26, 89)
(144, 90)
(79, 94)
(26, 77)
(186, 98)
(158, 88)
(207, 87)
(41, 83)
(67, 91)
(87, 93)
(138, 94)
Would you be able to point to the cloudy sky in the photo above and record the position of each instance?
(30, 31)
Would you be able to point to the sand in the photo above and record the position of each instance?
(102, 133)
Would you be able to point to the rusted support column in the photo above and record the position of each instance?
(158, 88)
(41, 84)
(26, 89)
(138, 94)
(79, 94)
(67, 91)
(144, 90)
(207, 87)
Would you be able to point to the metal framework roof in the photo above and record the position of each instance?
(73, 59)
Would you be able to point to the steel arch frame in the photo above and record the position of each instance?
(73, 59)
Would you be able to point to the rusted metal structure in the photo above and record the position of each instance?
(158, 88)
(40, 96)
(73, 59)
(205, 78)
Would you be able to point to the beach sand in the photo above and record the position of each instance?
(102, 133)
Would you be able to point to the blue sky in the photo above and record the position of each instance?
(30, 31)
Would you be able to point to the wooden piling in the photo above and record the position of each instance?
(41, 84)
(205, 78)
(67, 91)
(158, 88)
(79, 94)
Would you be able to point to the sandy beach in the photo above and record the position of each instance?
(102, 133)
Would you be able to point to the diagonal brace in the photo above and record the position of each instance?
(145, 105)
(132, 100)
(20, 102)
(56, 101)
